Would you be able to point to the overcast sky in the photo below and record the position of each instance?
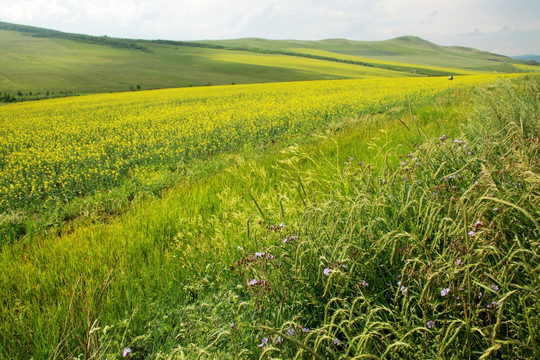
(509, 27)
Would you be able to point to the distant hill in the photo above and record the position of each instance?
(39, 62)
(527, 58)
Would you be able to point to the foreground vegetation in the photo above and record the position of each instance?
(407, 231)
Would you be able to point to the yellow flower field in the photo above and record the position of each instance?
(52, 151)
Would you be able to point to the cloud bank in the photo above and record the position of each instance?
(501, 26)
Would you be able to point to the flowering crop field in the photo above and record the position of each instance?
(53, 151)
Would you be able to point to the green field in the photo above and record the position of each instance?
(36, 62)
(299, 240)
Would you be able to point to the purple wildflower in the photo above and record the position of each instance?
(478, 224)
(281, 225)
(253, 282)
(290, 332)
(258, 255)
(305, 329)
(336, 341)
(430, 324)
(459, 262)
(364, 283)
(445, 291)
(493, 304)
(270, 257)
(286, 240)
(278, 340)
(471, 233)
(232, 325)
(264, 342)
(494, 287)
(294, 237)
(480, 295)
(126, 352)
(404, 289)
(496, 209)
(327, 271)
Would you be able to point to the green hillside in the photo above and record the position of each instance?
(38, 63)
(409, 50)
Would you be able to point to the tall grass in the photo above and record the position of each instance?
(305, 248)
(436, 257)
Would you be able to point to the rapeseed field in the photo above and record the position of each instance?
(54, 151)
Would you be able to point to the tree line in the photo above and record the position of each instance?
(27, 95)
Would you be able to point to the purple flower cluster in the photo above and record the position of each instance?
(264, 342)
(256, 282)
(445, 291)
(290, 238)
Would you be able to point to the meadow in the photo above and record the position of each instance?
(58, 162)
(381, 218)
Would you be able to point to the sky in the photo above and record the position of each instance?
(508, 27)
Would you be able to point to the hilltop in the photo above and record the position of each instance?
(39, 62)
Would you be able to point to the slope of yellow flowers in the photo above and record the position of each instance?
(52, 151)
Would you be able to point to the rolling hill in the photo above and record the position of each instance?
(39, 62)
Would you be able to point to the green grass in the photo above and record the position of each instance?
(41, 64)
(168, 278)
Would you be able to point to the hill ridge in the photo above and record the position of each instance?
(82, 64)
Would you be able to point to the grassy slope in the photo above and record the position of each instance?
(173, 293)
(57, 61)
(407, 49)
(56, 64)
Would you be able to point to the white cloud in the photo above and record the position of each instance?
(440, 21)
